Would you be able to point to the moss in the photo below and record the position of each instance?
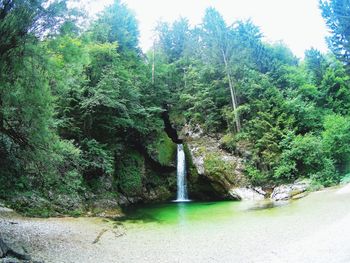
(177, 118)
(229, 142)
(129, 173)
(215, 167)
(163, 150)
(191, 168)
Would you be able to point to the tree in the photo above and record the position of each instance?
(336, 138)
(118, 24)
(218, 42)
(337, 16)
(173, 39)
(21, 23)
(316, 64)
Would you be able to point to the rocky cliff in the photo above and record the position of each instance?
(210, 164)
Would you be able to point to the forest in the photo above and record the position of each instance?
(85, 114)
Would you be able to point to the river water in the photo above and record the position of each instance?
(313, 229)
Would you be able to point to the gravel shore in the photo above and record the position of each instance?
(312, 229)
(59, 239)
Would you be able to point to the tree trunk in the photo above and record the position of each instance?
(233, 94)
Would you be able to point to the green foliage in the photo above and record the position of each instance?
(70, 103)
(164, 149)
(173, 40)
(229, 142)
(337, 16)
(217, 168)
(256, 177)
(336, 138)
(129, 173)
(97, 159)
(73, 104)
(345, 179)
(117, 24)
(316, 64)
(304, 156)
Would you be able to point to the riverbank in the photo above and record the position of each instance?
(313, 229)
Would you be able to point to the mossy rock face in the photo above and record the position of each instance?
(158, 194)
(219, 169)
(158, 185)
(163, 150)
(213, 169)
(191, 168)
(33, 204)
(140, 180)
(129, 173)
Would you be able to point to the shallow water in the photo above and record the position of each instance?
(187, 213)
(313, 229)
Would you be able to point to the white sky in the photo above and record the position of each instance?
(298, 23)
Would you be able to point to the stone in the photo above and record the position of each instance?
(195, 132)
(201, 148)
(298, 196)
(123, 201)
(246, 194)
(10, 260)
(12, 252)
(288, 191)
(259, 190)
(281, 192)
(3, 248)
(18, 251)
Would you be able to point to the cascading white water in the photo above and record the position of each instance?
(182, 195)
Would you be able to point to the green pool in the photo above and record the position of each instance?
(313, 229)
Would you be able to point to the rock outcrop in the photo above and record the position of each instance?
(13, 253)
(290, 191)
(222, 170)
(247, 193)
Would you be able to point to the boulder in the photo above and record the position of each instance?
(12, 252)
(212, 165)
(288, 191)
(104, 207)
(247, 194)
(17, 251)
(10, 260)
(3, 248)
(191, 132)
(156, 194)
(65, 203)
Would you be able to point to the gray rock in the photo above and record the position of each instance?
(282, 192)
(246, 194)
(67, 202)
(195, 132)
(202, 147)
(299, 196)
(123, 201)
(10, 260)
(18, 251)
(197, 159)
(3, 248)
(12, 252)
(288, 191)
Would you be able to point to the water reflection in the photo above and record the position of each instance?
(185, 213)
(262, 205)
(181, 213)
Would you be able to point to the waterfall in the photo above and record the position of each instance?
(181, 175)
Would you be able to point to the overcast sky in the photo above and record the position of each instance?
(298, 23)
